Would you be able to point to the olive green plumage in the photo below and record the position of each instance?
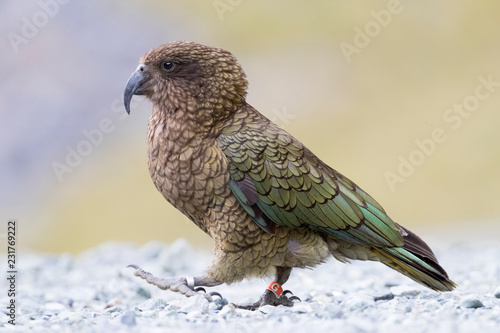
(279, 181)
(296, 189)
(267, 201)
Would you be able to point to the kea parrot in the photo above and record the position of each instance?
(268, 202)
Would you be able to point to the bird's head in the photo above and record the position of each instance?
(189, 77)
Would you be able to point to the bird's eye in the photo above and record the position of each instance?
(168, 66)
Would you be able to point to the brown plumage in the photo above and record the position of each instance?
(267, 201)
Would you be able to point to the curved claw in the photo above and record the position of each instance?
(287, 292)
(214, 293)
(294, 298)
(134, 266)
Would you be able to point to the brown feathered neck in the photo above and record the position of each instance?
(205, 87)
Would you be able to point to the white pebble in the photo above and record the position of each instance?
(128, 319)
(301, 307)
(194, 303)
(152, 304)
(54, 307)
(358, 301)
(267, 309)
(322, 299)
(72, 317)
(404, 290)
(227, 310)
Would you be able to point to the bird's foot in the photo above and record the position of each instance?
(274, 295)
(188, 286)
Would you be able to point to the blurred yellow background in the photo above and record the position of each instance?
(357, 82)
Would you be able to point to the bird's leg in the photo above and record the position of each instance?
(274, 294)
(188, 286)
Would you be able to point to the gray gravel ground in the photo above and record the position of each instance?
(95, 292)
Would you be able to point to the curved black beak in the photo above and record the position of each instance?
(134, 84)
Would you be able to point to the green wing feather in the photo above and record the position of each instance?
(279, 181)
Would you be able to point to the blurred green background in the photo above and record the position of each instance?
(357, 82)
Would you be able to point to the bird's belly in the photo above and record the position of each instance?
(258, 253)
(192, 182)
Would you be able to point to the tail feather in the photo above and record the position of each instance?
(417, 261)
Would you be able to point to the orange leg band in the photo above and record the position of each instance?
(276, 288)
